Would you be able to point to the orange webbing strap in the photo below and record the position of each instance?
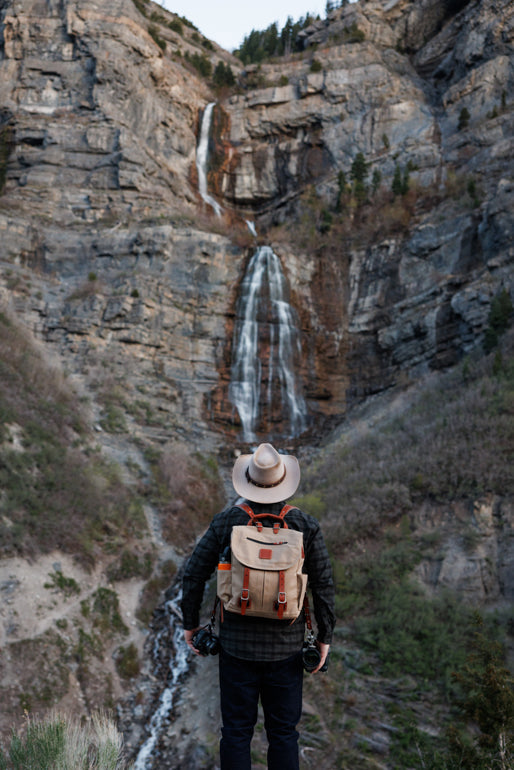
(281, 602)
(245, 592)
(255, 517)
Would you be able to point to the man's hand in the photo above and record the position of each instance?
(188, 636)
(323, 651)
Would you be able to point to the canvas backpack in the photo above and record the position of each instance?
(264, 575)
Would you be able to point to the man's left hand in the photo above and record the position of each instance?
(323, 650)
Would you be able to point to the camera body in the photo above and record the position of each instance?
(311, 656)
(206, 642)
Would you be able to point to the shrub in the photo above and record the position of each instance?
(500, 315)
(176, 26)
(201, 63)
(127, 661)
(184, 482)
(53, 495)
(60, 743)
(141, 6)
(316, 66)
(223, 75)
(464, 118)
(153, 31)
(68, 586)
(430, 451)
(6, 145)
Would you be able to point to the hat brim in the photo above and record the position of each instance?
(282, 491)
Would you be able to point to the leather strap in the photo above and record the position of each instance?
(255, 517)
(245, 591)
(281, 601)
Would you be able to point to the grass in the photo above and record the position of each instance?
(61, 743)
(57, 491)
(419, 454)
(187, 490)
(400, 655)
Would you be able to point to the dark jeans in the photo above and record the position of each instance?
(279, 685)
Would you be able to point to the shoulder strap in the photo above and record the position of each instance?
(255, 517)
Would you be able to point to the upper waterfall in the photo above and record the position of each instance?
(202, 152)
(264, 384)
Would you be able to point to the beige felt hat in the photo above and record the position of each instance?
(266, 476)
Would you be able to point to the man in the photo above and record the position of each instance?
(261, 657)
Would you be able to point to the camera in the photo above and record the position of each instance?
(206, 642)
(311, 657)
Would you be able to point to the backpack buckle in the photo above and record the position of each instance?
(281, 597)
(245, 595)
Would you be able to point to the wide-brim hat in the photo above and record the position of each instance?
(266, 476)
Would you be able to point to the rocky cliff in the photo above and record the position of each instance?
(100, 212)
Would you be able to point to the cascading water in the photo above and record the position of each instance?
(178, 665)
(266, 350)
(202, 153)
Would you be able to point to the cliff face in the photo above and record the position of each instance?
(100, 212)
(425, 88)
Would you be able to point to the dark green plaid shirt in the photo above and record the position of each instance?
(259, 638)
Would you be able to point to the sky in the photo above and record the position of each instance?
(226, 22)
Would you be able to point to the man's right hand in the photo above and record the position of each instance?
(188, 636)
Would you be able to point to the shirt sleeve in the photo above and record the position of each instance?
(198, 570)
(321, 584)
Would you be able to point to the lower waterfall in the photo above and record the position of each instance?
(178, 666)
(264, 384)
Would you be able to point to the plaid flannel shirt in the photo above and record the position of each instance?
(251, 637)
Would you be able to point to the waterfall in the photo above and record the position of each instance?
(202, 152)
(251, 227)
(178, 666)
(266, 350)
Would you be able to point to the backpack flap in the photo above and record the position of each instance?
(265, 550)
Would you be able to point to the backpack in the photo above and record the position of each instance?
(264, 576)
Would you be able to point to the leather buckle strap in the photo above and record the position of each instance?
(245, 592)
(281, 603)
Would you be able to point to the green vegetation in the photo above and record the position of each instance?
(359, 173)
(153, 31)
(223, 75)
(6, 143)
(200, 62)
(57, 492)
(418, 455)
(127, 661)
(464, 118)
(141, 6)
(187, 490)
(60, 743)
(500, 318)
(68, 586)
(259, 46)
(415, 656)
(153, 590)
(130, 564)
(400, 183)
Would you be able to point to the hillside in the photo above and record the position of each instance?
(376, 159)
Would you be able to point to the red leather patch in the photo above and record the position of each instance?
(265, 553)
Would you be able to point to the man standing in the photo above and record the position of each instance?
(261, 657)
